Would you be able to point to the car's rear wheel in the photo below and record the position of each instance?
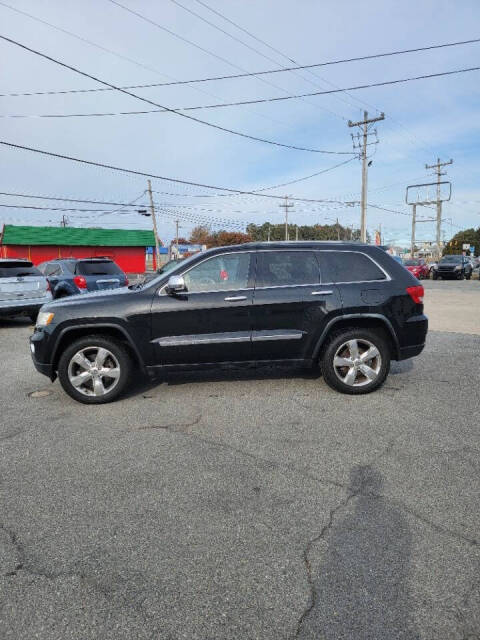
(95, 369)
(356, 360)
(435, 276)
(468, 275)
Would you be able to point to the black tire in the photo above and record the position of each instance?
(374, 337)
(461, 276)
(116, 348)
(435, 276)
(33, 316)
(468, 275)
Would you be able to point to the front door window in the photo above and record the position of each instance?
(220, 273)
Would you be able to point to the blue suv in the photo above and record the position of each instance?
(70, 276)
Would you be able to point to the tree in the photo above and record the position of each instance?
(227, 238)
(469, 236)
(305, 232)
(200, 235)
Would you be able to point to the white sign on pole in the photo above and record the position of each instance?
(466, 246)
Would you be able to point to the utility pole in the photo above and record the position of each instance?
(152, 211)
(286, 205)
(338, 230)
(296, 233)
(64, 221)
(414, 222)
(438, 170)
(268, 234)
(176, 235)
(363, 124)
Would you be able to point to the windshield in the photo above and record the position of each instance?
(97, 268)
(412, 263)
(178, 267)
(18, 269)
(456, 259)
(168, 266)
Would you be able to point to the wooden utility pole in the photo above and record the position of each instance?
(286, 205)
(154, 221)
(437, 167)
(363, 154)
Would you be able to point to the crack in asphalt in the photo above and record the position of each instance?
(14, 434)
(306, 560)
(23, 565)
(171, 427)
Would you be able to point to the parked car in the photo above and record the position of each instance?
(398, 259)
(453, 266)
(23, 288)
(349, 307)
(418, 267)
(70, 276)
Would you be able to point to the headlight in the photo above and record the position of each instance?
(44, 318)
(458, 267)
(435, 267)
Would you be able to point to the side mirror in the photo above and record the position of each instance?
(175, 284)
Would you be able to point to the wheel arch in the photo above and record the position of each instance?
(110, 330)
(370, 321)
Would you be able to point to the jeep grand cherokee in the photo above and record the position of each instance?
(348, 307)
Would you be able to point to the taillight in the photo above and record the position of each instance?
(126, 281)
(49, 288)
(416, 293)
(80, 282)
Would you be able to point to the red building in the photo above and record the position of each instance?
(38, 244)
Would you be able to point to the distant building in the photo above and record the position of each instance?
(126, 247)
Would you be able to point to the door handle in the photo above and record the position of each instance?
(321, 293)
(235, 298)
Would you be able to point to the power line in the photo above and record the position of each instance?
(224, 77)
(179, 110)
(112, 52)
(156, 104)
(260, 53)
(190, 42)
(149, 175)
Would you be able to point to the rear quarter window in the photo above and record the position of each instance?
(98, 268)
(350, 266)
(18, 269)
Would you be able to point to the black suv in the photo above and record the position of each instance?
(454, 266)
(349, 307)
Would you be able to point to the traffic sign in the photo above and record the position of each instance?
(465, 246)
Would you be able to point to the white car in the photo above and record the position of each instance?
(23, 288)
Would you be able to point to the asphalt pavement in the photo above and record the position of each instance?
(250, 504)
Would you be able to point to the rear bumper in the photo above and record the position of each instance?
(30, 305)
(414, 336)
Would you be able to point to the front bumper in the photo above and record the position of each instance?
(41, 353)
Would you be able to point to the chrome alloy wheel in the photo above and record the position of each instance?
(357, 362)
(94, 371)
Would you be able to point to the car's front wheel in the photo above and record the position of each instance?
(94, 369)
(356, 361)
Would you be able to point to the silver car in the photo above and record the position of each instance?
(23, 289)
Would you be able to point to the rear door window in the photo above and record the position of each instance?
(18, 269)
(287, 268)
(350, 266)
(97, 268)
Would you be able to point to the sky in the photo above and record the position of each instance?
(424, 120)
